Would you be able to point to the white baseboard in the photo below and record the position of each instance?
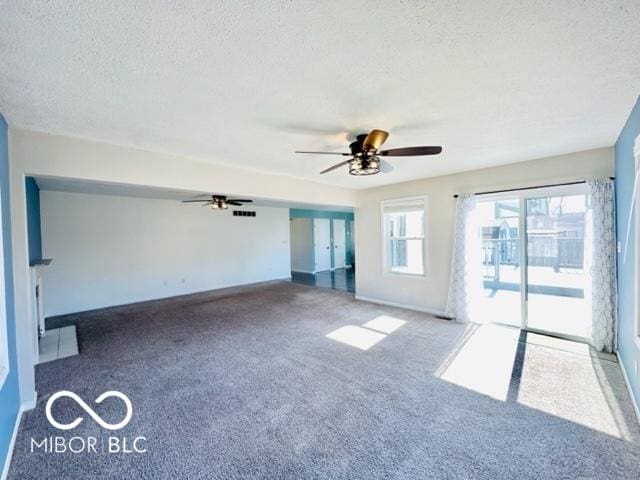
(432, 311)
(12, 443)
(30, 404)
(626, 381)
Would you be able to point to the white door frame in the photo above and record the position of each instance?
(339, 224)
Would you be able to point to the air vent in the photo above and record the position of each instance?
(243, 213)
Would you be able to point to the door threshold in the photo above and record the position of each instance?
(577, 345)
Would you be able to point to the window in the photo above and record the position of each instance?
(404, 236)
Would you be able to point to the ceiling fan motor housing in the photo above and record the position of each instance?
(357, 147)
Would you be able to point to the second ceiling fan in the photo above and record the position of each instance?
(365, 154)
(219, 202)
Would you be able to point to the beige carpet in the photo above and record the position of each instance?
(292, 381)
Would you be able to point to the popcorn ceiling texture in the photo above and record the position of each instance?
(247, 82)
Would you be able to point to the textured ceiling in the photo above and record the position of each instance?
(248, 82)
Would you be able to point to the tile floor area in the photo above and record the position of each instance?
(58, 343)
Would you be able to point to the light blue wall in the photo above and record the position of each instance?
(34, 233)
(9, 395)
(625, 172)
(346, 216)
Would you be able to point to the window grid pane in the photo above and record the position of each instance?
(407, 256)
(404, 233)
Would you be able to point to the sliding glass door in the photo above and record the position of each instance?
(555, 274)
(499, 255)
(533, 260)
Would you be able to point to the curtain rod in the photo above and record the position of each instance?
(531, 188)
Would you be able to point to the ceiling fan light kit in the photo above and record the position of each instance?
(366, 155)
(219, 203)
(364, 166)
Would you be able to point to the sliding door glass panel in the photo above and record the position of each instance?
(499, 225)
(556, 279)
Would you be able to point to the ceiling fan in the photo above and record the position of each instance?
(365, 154)
(219, 202)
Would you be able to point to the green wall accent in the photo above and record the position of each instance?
(346, 216)
(34, 234)
(300, 213)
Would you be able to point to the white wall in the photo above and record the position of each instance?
(41, 154)
(430, 293)
(302, 259)
(110, 250)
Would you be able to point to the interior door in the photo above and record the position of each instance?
(339, 244)
(556, 259)
(322, 244)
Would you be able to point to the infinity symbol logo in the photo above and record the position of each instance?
(89, 410)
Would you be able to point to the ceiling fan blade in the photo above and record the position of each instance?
(233, 202)
(410, 151)
(337, 165)
(375, 139)
(205, 204)
(385, 167)
(239, 200)
(192, 201)
(326, 153)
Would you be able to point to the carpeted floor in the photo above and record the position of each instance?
(290, 381)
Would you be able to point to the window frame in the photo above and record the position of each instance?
(636, 216)
(385, 239)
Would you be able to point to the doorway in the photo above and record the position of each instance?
(321, 245)
(533, 260)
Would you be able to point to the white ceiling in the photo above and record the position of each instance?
(72, 185)
(248, 82)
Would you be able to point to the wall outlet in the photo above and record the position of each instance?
(619, 247)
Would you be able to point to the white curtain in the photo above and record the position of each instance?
(600, 263)
(466, 276)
